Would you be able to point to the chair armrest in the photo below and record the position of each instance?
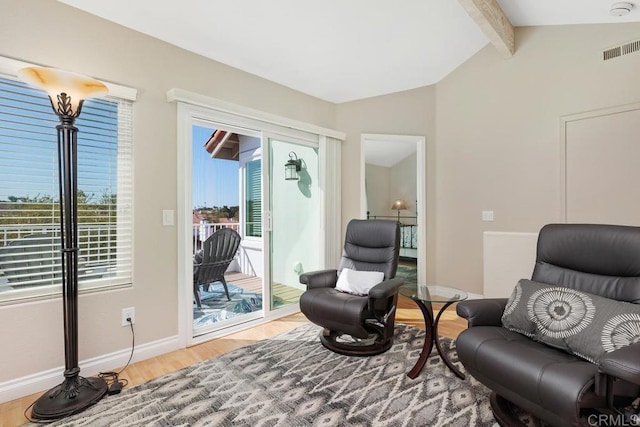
(320, 279)
(386, 288)
(482, 312)
(623, 363)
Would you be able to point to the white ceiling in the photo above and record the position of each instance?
(524, 13)
(336, 50)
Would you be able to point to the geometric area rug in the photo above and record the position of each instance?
(292, 380)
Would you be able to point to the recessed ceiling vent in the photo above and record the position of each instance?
(624, 49)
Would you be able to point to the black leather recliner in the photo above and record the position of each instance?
(552, 384)
(357, 325)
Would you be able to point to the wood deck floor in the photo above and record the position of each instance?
(282, 294)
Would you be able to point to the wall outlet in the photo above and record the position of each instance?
(128, 313)
(487, 215)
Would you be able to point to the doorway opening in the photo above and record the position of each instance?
(271, 226)
(393, 188)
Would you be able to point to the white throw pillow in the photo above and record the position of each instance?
(358, 282)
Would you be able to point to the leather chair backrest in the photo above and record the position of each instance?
(372, 245)
(599, 259)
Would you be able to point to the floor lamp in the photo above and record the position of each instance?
(399, 205)
(67, 92)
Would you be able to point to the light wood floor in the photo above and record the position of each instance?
(11, 413)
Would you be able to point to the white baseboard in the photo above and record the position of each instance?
(42, 381)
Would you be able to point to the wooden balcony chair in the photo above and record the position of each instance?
(210, 263)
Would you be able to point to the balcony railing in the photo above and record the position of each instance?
(93, 238)
(29, 253)
(95, 241)
(204, 229)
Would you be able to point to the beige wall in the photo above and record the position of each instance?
(404, 113)
(403, 185)
(386, 184)
(498, 134)
(50, 33)
(602, 153)
(377, 180)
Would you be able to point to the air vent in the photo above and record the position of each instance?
(624, 49)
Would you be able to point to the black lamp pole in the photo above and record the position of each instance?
(75, 393)
(67, 173)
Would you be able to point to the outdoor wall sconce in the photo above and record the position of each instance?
(292, 167)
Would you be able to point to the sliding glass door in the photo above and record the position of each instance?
(294, 218)
(227, 246)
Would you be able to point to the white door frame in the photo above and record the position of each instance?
(193, 107)
(421, 188)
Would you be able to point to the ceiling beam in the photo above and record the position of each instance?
(494, 24)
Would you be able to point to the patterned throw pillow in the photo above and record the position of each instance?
(586, 325)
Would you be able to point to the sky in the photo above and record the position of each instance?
(215, 181)
(28, 151)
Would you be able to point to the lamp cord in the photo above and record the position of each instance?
(114, 377)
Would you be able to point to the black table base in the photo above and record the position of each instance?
(430, 339)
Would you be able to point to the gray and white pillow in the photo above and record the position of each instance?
(580, 323)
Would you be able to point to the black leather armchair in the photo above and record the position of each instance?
(552, 384)
(357, 325)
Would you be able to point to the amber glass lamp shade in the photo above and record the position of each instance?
(67, 91)
(399, 205)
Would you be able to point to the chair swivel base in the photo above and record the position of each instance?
(503, 411)
(56, 402)
(371, 346)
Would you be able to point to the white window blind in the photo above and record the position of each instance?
(29, 195)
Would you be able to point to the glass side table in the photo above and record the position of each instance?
(424, 296)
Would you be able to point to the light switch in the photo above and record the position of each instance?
(487, 215)
(167, 217)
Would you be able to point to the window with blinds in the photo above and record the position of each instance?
(253, 202)
(30, 259)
